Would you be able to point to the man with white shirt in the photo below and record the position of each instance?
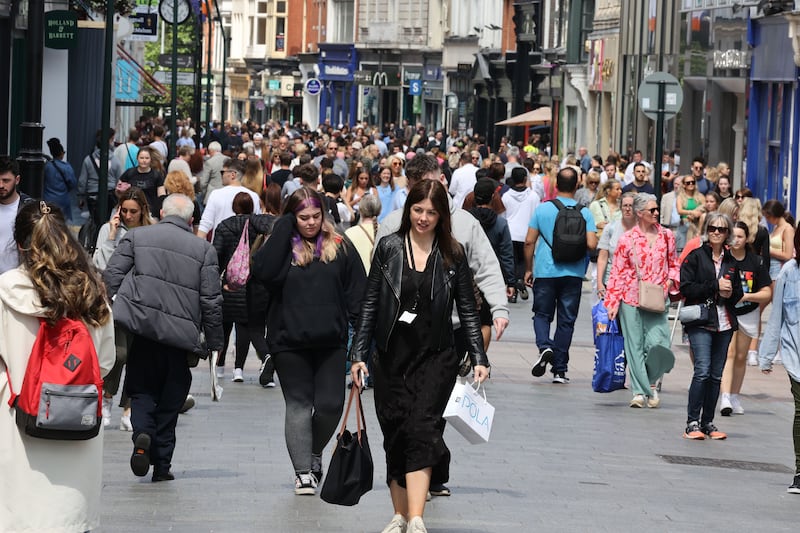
(637, 158)
(219, 204)
(520, 202)
(463, 180)
(10, 202)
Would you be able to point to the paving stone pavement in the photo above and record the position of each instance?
(561, 458)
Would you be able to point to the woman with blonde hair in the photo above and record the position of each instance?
(131, 212)
(316, 281)
(48, 485)
(177, 182)
(690, 204)
(253, 177)
(549, 180)
(396, 164)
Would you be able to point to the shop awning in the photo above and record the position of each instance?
(537, 116)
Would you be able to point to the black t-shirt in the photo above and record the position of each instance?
(149, 182)
(280, 176)
(754, 274)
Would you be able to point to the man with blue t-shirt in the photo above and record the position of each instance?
(556, 286)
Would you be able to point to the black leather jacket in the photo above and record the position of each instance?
(381, 305)
(700, 283)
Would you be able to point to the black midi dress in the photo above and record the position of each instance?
(412, 386)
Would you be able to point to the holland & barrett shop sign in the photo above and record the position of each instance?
(60, 29)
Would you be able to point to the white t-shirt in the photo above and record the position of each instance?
(9, 256)
(220, 206)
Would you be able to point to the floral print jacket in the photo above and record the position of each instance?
(657, 264)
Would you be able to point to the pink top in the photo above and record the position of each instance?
(657, 264)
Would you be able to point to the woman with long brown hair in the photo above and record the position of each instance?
(417, 275)
(55, 484)
(131, 212)
(316, 281)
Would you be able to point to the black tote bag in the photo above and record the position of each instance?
(350, 471)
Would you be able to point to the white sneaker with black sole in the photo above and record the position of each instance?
(238, 375)
(305, 484)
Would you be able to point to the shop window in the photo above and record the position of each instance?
(280, 34)
(260, 23)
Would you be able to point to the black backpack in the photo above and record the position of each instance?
(569, 234)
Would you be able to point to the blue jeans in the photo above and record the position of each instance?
(710, 350)
(553, 297)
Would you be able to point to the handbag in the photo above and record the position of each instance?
(350, 470)
(651, 295)
(469, 413)
(694, 315)
(237, 272)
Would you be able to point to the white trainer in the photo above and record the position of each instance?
(735, 405)
(107, 411)
(238, 376)
(752, 358)
(725, 405)
(416, 525)
(397, 525)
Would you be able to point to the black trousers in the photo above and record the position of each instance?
(245, 334)
(157, 380)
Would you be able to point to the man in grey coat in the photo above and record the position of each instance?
(165, 285)
(211, 177)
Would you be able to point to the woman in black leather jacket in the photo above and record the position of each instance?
(416, 276)
(709, 275)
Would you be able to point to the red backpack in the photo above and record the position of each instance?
(61, 395)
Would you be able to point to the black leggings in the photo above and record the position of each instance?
(313, 385)
(245, 334)
(519, 262)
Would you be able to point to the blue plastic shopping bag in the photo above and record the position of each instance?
(609, 353)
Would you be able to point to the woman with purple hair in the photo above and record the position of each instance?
(316, 280)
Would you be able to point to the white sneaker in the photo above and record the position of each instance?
(125, 423)
(238, 377)
(752, 358)
(725, 406)
(653, 401)
(397, 525)
(220, 372)
(735, 405)
(416, 525)
(637, 401)
(107, 411)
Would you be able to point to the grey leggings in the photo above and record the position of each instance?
(313, 388)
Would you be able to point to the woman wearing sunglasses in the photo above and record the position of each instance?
(647, 252)
(710, 277)
(690, 204)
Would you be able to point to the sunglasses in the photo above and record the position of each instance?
(717, 229)
(740, 197)
(653, 210)
(537, 169)
(594, 183)
(688, 183)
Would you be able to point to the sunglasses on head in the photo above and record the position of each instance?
(717, 229)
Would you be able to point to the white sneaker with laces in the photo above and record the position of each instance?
(107, 411)
(725, 405)
(397, 525)
(238, 376)
(735, 405)
(416, 525)
(752, 358)
(125, 423)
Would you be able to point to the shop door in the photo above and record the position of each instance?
(390, 110)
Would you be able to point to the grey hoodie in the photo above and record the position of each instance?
(88, 180)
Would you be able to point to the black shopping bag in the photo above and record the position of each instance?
(350, 471)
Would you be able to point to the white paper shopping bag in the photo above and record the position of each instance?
(469, 413)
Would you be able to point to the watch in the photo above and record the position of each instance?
(166, 9)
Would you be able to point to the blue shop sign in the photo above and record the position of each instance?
(313, 87)
(432, 73)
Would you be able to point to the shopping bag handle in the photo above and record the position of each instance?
(361, 423)
(480, 389)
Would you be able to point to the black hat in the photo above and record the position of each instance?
(56, 149)
(484, 189)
